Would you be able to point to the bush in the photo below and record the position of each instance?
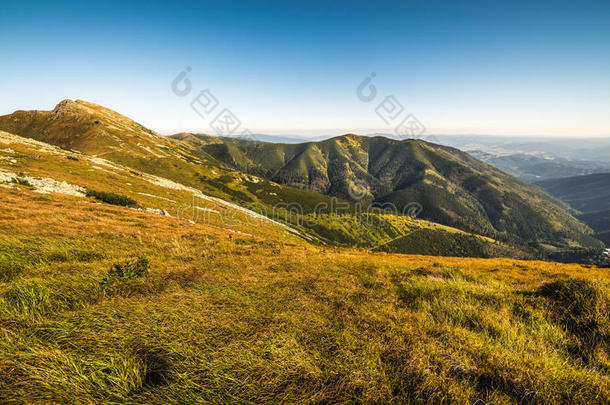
(21, 181)
(112, 198)
(133, 268)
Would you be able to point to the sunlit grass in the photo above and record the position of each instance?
(221, 317)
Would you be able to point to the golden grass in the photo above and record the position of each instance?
(224, 317)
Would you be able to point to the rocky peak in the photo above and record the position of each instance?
(65, 108)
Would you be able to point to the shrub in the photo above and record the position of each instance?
(112, 198)
(21, 181)
(133, 268)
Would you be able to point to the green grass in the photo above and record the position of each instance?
(582, 308)
(128, 270)
(438, 242)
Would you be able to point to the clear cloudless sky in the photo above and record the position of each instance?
(292, 67)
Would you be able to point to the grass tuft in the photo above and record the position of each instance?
(10, 268)
(131, 269)
(582, 308)
(27, 298)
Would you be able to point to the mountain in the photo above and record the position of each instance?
(532, 158)
(590, 195)
(452, 187)
(89, 127)
(98, 131)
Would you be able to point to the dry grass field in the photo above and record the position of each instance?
(211, 315)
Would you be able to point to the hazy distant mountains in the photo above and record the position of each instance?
(583, 149)
(533, 168)
(535, 159)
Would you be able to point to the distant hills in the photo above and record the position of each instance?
(574, 149)
(533, 167)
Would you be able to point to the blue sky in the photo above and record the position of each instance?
(292, 67)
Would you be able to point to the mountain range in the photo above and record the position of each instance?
(452, 188)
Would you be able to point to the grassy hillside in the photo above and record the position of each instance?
(444, 243)
(454, 188)
(104, 304)
(43, 168)
(598, 220)
(95, 130)
(98, 131)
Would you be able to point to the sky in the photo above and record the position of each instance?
(300, 67)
